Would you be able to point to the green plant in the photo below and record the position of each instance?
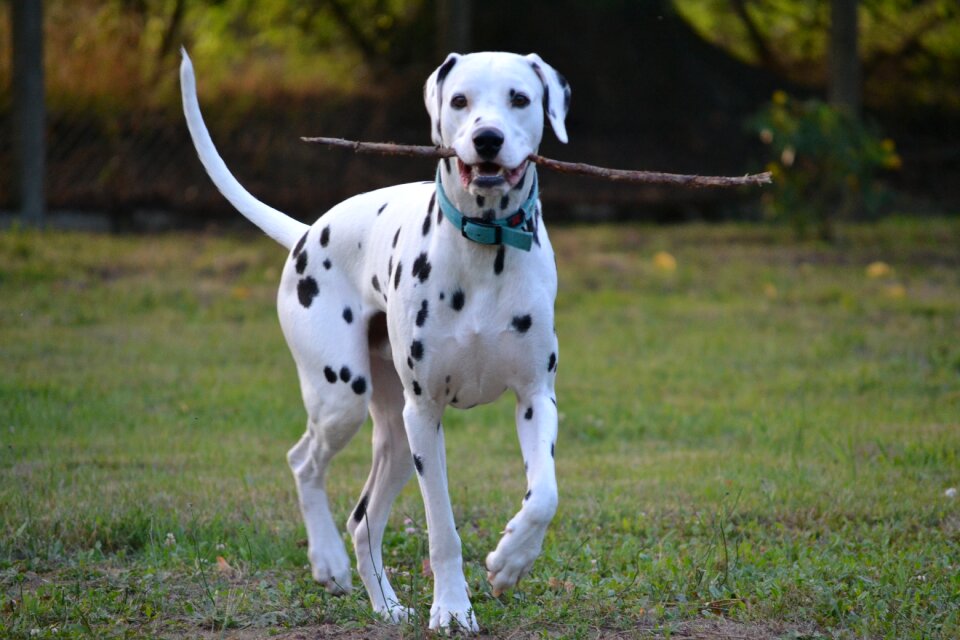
(825, 164)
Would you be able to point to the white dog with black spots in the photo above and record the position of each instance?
(407, 299)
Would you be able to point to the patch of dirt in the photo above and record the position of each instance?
(699, 629)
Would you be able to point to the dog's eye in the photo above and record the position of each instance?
(519, 101)
(458, 101)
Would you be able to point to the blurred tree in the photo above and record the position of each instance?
(454, 27)
(909, 49)
(844, 74)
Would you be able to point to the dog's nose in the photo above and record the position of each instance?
(487, 142)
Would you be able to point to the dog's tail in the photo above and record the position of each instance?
(275, 224)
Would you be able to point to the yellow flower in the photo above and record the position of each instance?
(888, 145)
(878, 269)
(893, 161)
(779, 97)
(896, 291)
(788, 155)
(663, 261)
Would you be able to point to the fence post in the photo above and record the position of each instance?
(29, 112)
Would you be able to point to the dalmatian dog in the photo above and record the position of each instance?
(402, 301)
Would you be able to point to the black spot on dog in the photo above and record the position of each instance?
(426, 222)
(297, 249)
(307, 290)
(448, 379)
(422, 313)
(325, 236)
(522, 323)
(327, 264)
(526, 497)
(330, 374)
(442, 296)
(498, 261)
(361, 507)
(421, 267)
(439, 425)
(552, 444)
(348, 314)
(345, 374)
(446, 161)
(301, 262)
(445, 69)
(418, 463)
(566, 91)
(396, 276)
(481, 201)
(489, 215)
(382, 207)
(416, 350)
(433, 202)
(409, 362)
(529, 414)
(457, 300)
(504, 201)
(454, 401)
(396, 237)
(416, 388)
(554, 401)
(389, 267)
(552, 362)
(375, 282)
(359, 385)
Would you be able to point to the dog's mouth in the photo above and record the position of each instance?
(489, 174)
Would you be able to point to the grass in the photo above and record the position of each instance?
(754, 443)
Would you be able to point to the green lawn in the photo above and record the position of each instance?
(757, 442)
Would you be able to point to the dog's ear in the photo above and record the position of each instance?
(556, 95)
(433, 96)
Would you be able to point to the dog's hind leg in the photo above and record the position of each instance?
(333, 363)
(391, 469)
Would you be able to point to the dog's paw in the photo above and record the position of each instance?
(394, 613)
(331, 568)
(514, 556)
(453, 617)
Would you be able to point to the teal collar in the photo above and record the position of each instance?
(498, 231)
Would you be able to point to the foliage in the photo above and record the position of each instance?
(910, 50)
(825, 164)
(109, 52)
(755, 433)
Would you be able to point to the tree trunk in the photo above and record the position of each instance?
(454, 24)
(844, 64)
(29, 114)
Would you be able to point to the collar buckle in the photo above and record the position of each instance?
(481, 231)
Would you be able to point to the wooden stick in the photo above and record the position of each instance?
(577, 168)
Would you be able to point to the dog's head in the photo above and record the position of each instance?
(487, 107)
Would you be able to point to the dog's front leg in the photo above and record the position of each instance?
(523, 537)
(451, 603)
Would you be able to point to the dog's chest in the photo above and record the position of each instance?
(467, 321)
